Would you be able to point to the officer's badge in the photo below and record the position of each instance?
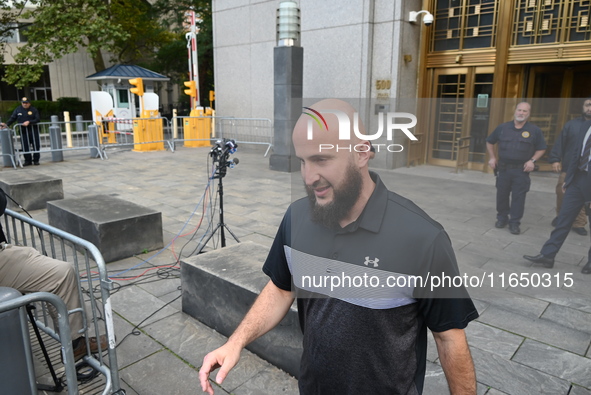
(525, 134)
(31, 113)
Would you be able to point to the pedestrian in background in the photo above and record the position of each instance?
(560, 156)
(577, 188)
(28, 117)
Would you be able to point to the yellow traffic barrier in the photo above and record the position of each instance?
(110, 133)
(111, 138)
(148, 134)
(197, 127)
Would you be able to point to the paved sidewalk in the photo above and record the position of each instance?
(528, 340)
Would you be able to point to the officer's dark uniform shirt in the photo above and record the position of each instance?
(367, 338)
(565, 145)
(517, 146)
(21, 115)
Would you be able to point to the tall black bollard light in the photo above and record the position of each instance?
(288, 64)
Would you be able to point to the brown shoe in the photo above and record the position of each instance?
(80, 350)
(94, 346)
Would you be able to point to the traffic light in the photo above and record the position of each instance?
(192, 91)
(211, 96)
(139, 86)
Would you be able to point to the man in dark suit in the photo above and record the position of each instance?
(560, 156)
(577, 185)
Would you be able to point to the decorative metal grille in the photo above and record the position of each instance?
(450, 109)
(464, 24)
(551, 21)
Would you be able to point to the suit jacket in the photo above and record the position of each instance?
(3, 202)
(576, 156)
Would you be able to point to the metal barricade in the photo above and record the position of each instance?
(64, 327)
(120, 133)
(74, 136)
(93, 287)
(258, 131)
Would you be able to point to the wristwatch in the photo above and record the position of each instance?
(533, 160)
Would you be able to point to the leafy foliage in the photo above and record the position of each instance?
(61, 27)
(173, 13)
(149, 33)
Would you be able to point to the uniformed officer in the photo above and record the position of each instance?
(28, 117)
(521, 144)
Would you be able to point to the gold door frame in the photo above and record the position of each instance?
(465, 131)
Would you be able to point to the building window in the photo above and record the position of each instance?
(579, 26)
(464, 24)
(40, 90)
(17, 34)
(551, 21)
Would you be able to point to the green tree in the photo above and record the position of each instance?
(127, 29)
(168, 60)
(149, 33)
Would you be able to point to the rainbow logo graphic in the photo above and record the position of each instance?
(316, 117)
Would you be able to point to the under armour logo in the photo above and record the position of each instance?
(374, 262)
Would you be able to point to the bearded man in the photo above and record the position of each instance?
(361, 336)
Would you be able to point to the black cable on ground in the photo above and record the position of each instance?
(135, 331)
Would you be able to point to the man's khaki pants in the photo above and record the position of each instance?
(26, 270)
(581, 219)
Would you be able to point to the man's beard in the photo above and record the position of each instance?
(344, 198)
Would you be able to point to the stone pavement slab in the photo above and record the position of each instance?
(132, 348)
(493, 340)
(185, 337)
(137, 306)
(571, 318)
(162, 373)
(538, 329)
(576, 390)
(559, 363)
(515, 378)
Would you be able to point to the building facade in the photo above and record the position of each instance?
(462, 75)
(352, 50)
(481, 57)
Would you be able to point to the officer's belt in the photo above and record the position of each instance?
(509, 166)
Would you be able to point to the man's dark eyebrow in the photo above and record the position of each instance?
(320, 156)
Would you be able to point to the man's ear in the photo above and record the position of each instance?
(364, 153)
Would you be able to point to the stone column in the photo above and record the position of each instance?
(288, 64)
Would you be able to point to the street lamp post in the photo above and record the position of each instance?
(288, 64)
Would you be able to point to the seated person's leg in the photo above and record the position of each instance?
(26, 270)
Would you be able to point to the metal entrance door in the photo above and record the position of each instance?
(459, 117)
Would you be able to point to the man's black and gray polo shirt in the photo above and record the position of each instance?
(367, 336)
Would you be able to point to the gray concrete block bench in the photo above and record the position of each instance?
(30, 189)
(118, 228)
(219, 287)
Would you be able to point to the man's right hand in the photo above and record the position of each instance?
(492, 162)
(556, 167)
(267, 311)
(225, 358)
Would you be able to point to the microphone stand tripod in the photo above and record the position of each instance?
(221, 169)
